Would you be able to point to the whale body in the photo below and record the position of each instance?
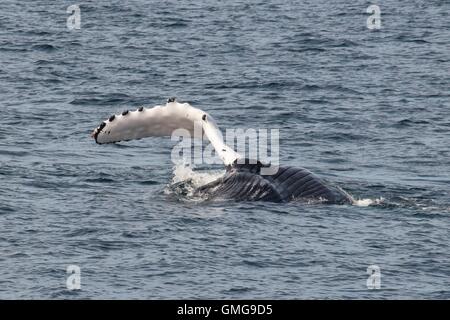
(244, 179)
(245, 182)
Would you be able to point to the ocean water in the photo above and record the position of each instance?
(366, 109)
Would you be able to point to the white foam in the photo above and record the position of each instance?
(367, 202)
(193, 179)
(183, 172)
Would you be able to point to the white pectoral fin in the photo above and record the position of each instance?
(163, 121)
(212, 132)
(148, 122)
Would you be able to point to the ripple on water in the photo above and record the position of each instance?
(366, 109)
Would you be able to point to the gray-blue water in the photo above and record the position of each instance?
(367, 109)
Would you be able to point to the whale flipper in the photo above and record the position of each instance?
(160, 121)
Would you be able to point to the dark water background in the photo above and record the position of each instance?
(366, 109)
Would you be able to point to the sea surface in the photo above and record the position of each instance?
(366, 109)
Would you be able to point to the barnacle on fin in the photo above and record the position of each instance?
(98, 130)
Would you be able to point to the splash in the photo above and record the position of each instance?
(184, 172)
(185, 181)
(367, 202)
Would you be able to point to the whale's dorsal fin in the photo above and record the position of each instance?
(163, 121)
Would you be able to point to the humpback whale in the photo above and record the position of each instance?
(244, 179)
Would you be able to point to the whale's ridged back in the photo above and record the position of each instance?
(245, 182)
